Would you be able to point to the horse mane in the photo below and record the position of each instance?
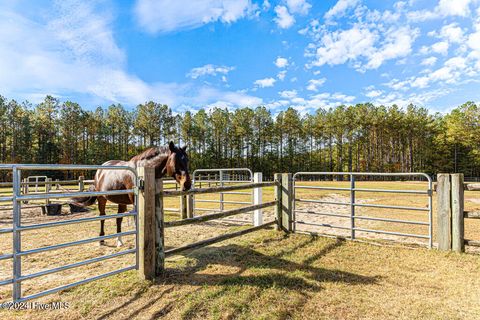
(150, 155)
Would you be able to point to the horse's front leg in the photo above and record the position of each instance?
(102, 203)
(121, 209)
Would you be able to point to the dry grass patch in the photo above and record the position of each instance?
(270, 276)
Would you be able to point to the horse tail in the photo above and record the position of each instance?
(85, 201)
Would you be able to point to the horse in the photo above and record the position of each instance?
(167, 160)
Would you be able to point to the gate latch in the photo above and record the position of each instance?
(141, 184)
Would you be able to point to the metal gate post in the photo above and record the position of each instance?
(352, 205)
(221, 193)
(257, 199)
(17, 241)
(278, 198)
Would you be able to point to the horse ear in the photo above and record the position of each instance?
(184, 148)
(171, 146)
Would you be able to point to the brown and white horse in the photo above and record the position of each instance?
(167, 161)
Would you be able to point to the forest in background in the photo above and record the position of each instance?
(362, 137)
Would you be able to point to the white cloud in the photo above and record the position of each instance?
(444, 8)
(266, 5)
(474, 40)
(440, 47)
(209, 69)
(454, 7)
(264, 83)
(281, 75)
(166, 15)
(298, 6)
(452, 32)
(288, 94)
(374, 93)
(281, 62)
(398, 43)
(312, 103)
(429, 61)
(451, 73)
(340, 8)
(314, 84)
(284, 19)
(74, 53)
(340, 46)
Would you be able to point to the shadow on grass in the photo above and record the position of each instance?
(242, 267)
(279, 269)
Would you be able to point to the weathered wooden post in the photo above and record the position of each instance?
(183, 207)
(278, 198)
(146, 223)
(159, 229)
(257, 199)
(458, 238)
(287, 201)
(190, 206)
(81, 183)
(444, 212)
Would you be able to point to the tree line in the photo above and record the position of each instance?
(362, 137)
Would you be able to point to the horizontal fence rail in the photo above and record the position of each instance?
(218, 215)
(353, 203)
(218, 189)
(221, 177)
(18, 199)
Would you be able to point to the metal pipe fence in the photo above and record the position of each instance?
(353, 202)
(17, 199)
(222, 177)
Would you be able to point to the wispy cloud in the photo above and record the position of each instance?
(209, 69)
(160, 16)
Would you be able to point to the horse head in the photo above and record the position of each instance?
(177, 166)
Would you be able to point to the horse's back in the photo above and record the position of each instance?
(114, 179)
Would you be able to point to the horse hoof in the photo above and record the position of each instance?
(119, 243)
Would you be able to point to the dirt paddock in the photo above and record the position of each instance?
(264, 275)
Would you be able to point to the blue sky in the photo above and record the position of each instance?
(229, 53)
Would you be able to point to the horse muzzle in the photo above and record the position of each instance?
(184, 181)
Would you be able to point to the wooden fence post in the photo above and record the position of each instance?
(159, 229)
(81, 184)
(190, 206)
(287, 201)
(183, 207)
(278, 198)
(458, 239)
(146, 223)
(257, 199)
(444, 213)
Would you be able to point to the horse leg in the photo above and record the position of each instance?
(121, 209)
(102, 202)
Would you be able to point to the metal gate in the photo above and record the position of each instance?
(352, 204)
(17, 199)
(221, 177)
